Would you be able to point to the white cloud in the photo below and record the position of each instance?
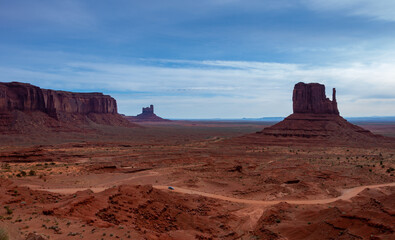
(203, 89)
(375, 9)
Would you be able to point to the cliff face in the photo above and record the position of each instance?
(82, 103)
(22, 103)
(148, 110)
(26, 97)
(311, 98)
(20, 96)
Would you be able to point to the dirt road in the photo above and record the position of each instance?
(346, 195)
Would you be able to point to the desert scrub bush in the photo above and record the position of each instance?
(3, 234)
(6, 166)
(8, 209)
(32, 173)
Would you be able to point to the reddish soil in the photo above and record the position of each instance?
(113, 183)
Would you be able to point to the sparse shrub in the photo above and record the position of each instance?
(32, 173)
(390, 169)
(3, 234)
(8, 209)
(6, 166)
(23, 173)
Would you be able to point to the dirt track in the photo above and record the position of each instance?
(347, 194)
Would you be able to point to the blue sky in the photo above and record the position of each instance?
(207, 58)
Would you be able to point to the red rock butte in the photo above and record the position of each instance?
(18, 99)
(310, 98)
(315, 120)
(147, 115)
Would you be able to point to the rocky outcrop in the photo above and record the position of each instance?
(311, 98)
(148, 110)
(315, 120)
(26, 97)
(80, 103)
(21, 96)
(17, 99)
(147, 115)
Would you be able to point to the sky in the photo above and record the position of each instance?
(206, 58)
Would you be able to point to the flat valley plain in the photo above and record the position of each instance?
(190, 180)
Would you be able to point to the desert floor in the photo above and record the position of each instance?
(113, 183)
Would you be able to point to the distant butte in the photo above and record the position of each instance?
(315, 120)
(147, 115)
(310, 98)
(25, 107)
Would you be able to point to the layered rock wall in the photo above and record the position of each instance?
(311, 98)
(26, 97)
(82, 103)
(23, 97)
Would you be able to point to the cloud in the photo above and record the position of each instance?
(220, 88)
(378, 10)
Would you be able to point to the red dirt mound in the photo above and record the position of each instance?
(367, 216)
(147, 211)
